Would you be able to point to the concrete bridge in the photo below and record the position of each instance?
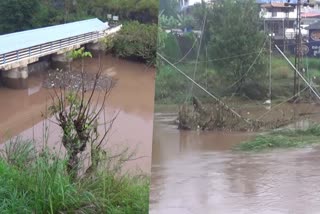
(19, 50)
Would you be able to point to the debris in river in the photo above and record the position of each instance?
(72, 80)
(217, 116)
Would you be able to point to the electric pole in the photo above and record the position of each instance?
(298, 41)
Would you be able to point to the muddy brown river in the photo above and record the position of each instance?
(132, 97)
(198, 173)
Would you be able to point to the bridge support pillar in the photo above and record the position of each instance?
(16, 78)
(60, 61)
(95, 48)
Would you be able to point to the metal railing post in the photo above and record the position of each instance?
(4, 58)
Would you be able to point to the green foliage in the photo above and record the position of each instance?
(169, 7)
(17, 15)
(234, 31)
(186, 22)
(79, 54)
(108, 43)
(18, 153)
(168, 22)
(170, 87)
(171, 48)
(137, 41)
(43, 186)
(283, 139)
(162, 36)
(198, 14)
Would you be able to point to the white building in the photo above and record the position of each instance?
(187, 3)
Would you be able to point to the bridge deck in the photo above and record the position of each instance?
(44, 41)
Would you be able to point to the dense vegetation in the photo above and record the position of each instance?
(38, 183)
(20, 15)
(283, 139)
(235, 31)
(232, 51)
(233, 58)
(137, 41)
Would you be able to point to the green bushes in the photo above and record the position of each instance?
(283, 139)
(40, 184)
(170, 86)
(171, 48)
(137, 41)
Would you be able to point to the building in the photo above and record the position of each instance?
(280, 20)
(185, 4)
(314, 39)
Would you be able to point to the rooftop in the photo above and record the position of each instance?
(25, 39)
(275, 5)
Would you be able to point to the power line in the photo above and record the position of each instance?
(249, 69)
(210, 94)
(267, 112)
(180, 60)
(198, 54)
(298, 72)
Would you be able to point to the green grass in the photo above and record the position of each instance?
(40, 184)
(282, 139)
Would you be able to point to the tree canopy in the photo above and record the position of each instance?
(18, 15)
(234, 31)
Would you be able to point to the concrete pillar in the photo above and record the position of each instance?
(16, 78)
(60, 61)
(95, 48)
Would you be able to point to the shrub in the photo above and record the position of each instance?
(171, 87)
(171, 48)
(137, 41)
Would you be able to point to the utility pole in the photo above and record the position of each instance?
(298, 54)
(298, 39)
(271, 35)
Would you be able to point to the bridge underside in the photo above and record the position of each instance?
(16, 75)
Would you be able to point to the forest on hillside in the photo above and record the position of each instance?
(18, 15)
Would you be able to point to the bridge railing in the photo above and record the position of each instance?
(48, 48)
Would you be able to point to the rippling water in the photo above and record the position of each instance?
(133, 97)
(197, 172)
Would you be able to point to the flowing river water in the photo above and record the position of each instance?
(133, 97)
(198, 173)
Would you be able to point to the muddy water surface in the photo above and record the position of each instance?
(132, 97)
(197, 172)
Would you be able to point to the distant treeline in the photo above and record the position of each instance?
(18, 15)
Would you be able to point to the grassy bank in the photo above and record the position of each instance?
(38, 183)
(282, 139)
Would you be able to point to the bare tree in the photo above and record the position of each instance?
(77, 114)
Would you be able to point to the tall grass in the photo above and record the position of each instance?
(39, 184)
(283, 139)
